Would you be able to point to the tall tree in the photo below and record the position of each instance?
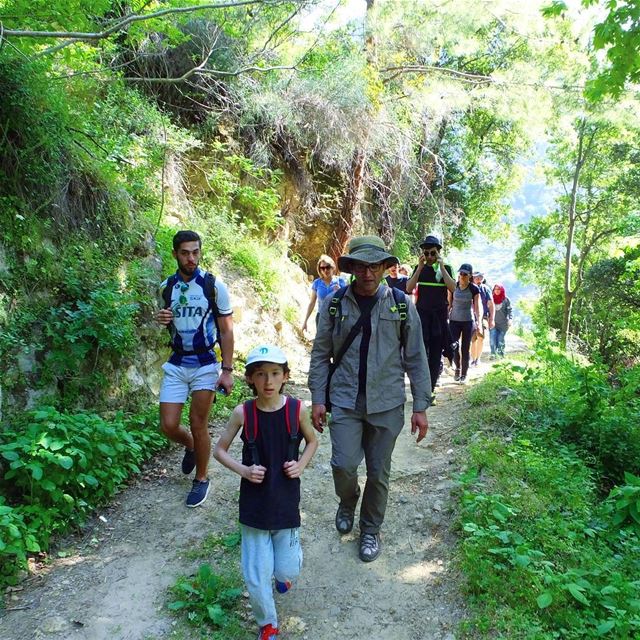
(595, 163)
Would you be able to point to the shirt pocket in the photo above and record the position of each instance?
(389, 325)
(343, 320)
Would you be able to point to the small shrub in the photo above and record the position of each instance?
(59, 467)
(208, 598)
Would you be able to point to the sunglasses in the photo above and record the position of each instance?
(432, 252)
(326, 267)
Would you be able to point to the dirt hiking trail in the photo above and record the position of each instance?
(112, 584)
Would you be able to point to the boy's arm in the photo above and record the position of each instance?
(294, 468)
(254, 473)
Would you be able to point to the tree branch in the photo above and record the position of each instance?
(100, 35)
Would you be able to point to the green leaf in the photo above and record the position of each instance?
(605, 627)
(65, 462)
(10, 455)
(216, 613)
(544, 600)
(177, 605)
(576, 591)
(36, 471)
(31, 544)
(90, 480)
(498, 515)
(556, 8)
(47, 485)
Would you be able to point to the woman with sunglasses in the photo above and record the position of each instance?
(321, 287)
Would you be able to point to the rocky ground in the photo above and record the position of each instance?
(113, 582)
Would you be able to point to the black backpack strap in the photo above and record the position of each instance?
(211, 293)
(401, 305)
(292, 419)
(167, 291)
(355, 330)
(250, 411)
(335, 306)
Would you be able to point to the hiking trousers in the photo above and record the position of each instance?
(265, 555)
(435, 335)
(356, 435)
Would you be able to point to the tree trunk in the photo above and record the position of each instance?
(357, 172)
(350, 203)
(571, 229)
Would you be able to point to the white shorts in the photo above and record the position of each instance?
(179, 382)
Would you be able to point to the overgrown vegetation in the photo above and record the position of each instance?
(211, 599)
(57, 468)
(550, 503)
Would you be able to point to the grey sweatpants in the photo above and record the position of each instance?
(265, 554)
(356, 435)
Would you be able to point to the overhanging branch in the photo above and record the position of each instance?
(131, 18)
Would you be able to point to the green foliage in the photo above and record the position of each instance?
(103, 324)
(210, 599)
(58, 467)
(212, 543)
(596, 164)
(544, 554)
(619, 35)
(608, 315)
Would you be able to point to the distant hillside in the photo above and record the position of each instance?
(495, 255)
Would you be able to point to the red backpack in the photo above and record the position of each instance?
(292, 420)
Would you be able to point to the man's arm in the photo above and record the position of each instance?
(415, 361)
(321, 353)
(446, 276)
(413, 280)
(225, 326)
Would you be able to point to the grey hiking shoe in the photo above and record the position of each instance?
(344, 519)
(370, 546)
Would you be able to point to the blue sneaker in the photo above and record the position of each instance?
(283, 587)
(198, 494)
(189, 461)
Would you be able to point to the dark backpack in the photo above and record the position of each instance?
(292, 420)
(211, 295)
(400, 298)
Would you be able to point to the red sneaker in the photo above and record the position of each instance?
(268, 632)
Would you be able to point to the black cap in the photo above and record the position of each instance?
(465, 267)
(431, 241)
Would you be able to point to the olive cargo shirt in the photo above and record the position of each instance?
(386, 365)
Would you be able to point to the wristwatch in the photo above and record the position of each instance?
(229, 369)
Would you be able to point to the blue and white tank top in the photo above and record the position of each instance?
(194, 326)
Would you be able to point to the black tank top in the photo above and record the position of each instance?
(432, 294)
(274, 503)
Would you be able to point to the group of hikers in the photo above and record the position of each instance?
(369, 334)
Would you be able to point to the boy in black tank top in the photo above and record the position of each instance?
(272, 427)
